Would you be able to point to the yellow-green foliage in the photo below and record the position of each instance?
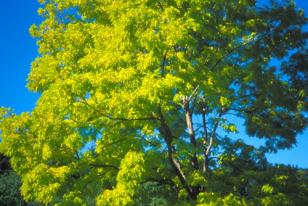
(128, 180)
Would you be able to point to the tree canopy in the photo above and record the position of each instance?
(136, 97)
(9, 186)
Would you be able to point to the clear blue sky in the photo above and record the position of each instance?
(18, 50)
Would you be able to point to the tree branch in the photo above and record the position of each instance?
(166, 133)
(205, 138)
(161, 181)
(191, 132)
(163, 64)
(105, 166)
(118, 118)
(236, 48)
(210, 144)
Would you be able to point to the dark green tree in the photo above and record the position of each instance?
(10, 185)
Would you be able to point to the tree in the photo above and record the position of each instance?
(134, 94)
(9, 186)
